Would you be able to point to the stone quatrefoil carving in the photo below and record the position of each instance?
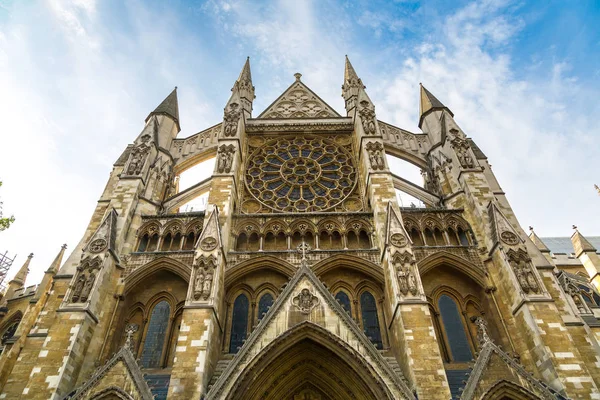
(305, 301)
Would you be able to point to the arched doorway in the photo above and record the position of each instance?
(308, 363)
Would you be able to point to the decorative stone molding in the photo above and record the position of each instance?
(231, 120)
(225, 158)
(305, 301)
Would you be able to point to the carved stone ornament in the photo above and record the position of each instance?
(367, 117)
(407, 282)
(205, 270)
(98, 245)
(230, 120)
(509, 238)
(375, 151)
(398, 240)
(521, 265)
(130, 330)
(208, 243)
(462, 149)
(225, 158)
(305, 301)
(138, 157)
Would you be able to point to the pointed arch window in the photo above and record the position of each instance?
(344, 300)
(459, 348)
(239, 323)
(265, 302)
(155, 336)
(370, 319)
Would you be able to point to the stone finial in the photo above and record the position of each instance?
(297, 75)
(21, 275)
(129, 331)
(482, 330)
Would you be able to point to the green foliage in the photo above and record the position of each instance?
(5, 221)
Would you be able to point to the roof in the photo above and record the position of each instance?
(563, 245)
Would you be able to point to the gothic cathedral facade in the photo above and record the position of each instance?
(304, 279)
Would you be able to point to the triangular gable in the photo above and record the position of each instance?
(396, 234)
(210, 237)
(104, 237)
(298, 101)
(501, 228)
(120, 374)
(305, 300)
(492, 366)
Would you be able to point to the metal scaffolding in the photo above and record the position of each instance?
(5, 263)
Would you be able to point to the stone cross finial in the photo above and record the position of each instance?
(129, 331)
(303, 248)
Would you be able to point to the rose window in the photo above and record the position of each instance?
(306, 173)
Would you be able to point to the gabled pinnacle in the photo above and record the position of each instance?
(22, 274)
(428, 103)
(351, 79)
(538, 242)
(580, 243)
(169, 107)
(245, 75)
(53, 269)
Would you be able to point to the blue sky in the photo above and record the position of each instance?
(78, 78)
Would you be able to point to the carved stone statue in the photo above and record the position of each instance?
(137, 160)
(207, 287)
(78, 289)
(199, 284)
(305, 301)
(412, 284)
(367, 117)
(403, 276)
(230, 120)
(87, 288)
(462, 149)
(375, 151)
(225, 158)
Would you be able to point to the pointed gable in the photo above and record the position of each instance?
(305, 303)
(120, 376)
(104, 237)
(298, 101)
(502, 229)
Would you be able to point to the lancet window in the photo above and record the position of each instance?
(239, 323)
(170, 238)
(454, 331)
(154, 342)
(370, 319)
(344, 300)
(265, 302)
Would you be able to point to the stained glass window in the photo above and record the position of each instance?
(155, 336)
(239, 323)
(455, 330)
(370, 319)
(265, 302)
(344, 300)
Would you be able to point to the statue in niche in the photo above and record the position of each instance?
(207, 287)
(367, 117)
(403, 275)
(231, 119)
(87, 288)
(199, 284)
(406, 278)
(225, 158)
(375, 150)
(78, 289)
(462, 149)
(412, 284)
(138, 157)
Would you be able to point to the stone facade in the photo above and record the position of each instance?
(304, 278)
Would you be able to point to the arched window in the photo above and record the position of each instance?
(462, 236)
(296, 240)
(324, 241)
(254, 242)
(166, 244)
(364, 242)
(429, 240)
(269, 242)
(153, 244)
(344, 300)
(239, 323)
(336, 240)
(155, 336)
(370, 319)
(176, 242)
(352, 240)
(242, 242)
(416, 238)
(190, 240)
(10, 331)
(265, 302)
(439, 238)
(455, 331)
(453, 238)
(143, 243)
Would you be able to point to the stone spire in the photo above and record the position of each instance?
(243, 90)
(580, 243)
(168, 107)
(428, 103)
(352, 86)
(21, 276)
(53, 269)
(537, 241)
